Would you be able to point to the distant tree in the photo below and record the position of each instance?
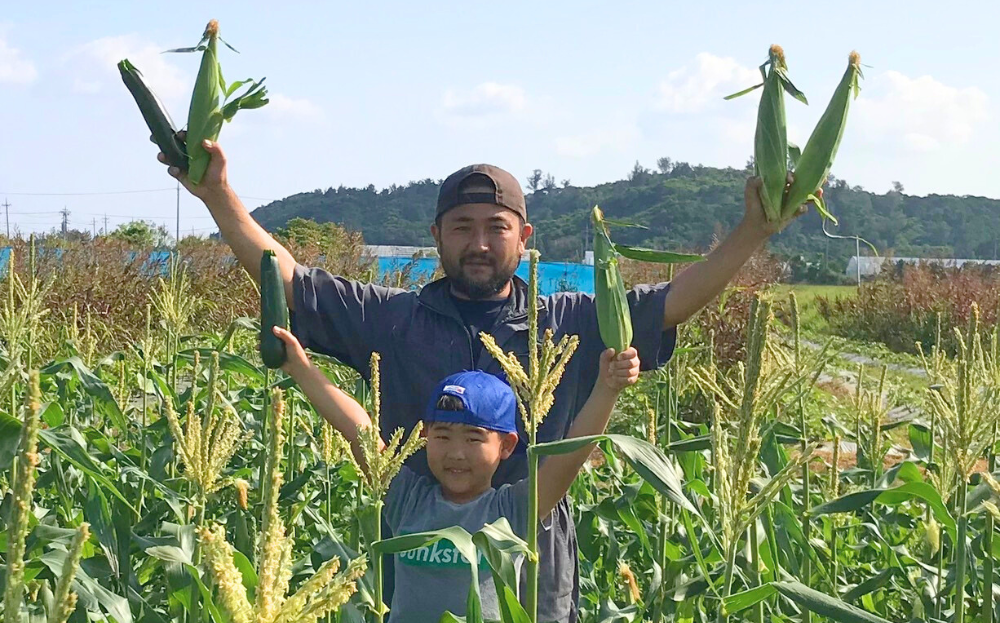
(77, 235)
(549, 183)
(897, 187)
(535, 180)
(638, 173)
(665, 165)
(750, 165)
(565, 183)
(306, 232)
(682, 169)
(142, 234)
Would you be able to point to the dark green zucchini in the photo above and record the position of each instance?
(273, 311)
(164, 134)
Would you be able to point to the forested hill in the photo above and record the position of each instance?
(682, 207)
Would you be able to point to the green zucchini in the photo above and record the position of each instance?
(273, 311)
(164, 134)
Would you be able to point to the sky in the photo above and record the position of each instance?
(387, 92)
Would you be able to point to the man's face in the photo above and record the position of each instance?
(480, 246)
(464, 458)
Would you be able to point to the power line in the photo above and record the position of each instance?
(114, 192)
(118, 192)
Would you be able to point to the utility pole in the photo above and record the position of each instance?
(65, 220)
(857, 250)
(105, 224)
(6, 209)
(94, 227)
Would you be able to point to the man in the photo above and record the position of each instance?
(481, 230)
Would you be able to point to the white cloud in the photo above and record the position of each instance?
(920, 113)
(14, 67)
(488, 99)
(618, 137)
(301, 108)
(94, 66)
(693, 89)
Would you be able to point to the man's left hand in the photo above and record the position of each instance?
(755, 216)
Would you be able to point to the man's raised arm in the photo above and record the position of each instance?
(242, 233)
(698, 284)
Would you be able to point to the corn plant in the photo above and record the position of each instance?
(322, 594)
(381, 464)
(207, 439)
(23, 491)
(742, 403)
(870, 410)
(534, 390)
(966, 400)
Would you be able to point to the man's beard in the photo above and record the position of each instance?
(482, 288)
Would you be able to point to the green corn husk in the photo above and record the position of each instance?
(770, 147)
(614, 319)
(814, 164)
(212, 101)
(770, 143)
(204, 116)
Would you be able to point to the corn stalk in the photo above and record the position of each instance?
(535, 393)
(381, 464)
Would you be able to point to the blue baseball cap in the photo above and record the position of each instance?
(488, 401)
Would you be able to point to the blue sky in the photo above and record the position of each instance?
(387, 92)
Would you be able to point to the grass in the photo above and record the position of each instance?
(812, 321)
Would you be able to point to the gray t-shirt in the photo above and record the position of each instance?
(433, 579)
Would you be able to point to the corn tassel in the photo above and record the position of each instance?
(614, 319)
(814, 164)
(26, 466)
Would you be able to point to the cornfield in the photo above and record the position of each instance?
(174, 480)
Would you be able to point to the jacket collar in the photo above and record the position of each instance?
(436, 295)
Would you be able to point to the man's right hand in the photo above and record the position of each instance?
(215, 182)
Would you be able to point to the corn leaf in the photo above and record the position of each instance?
(891, 497)
(462, 541)
(825, 605)
(743, 92)
(643, 254)
(646, 459)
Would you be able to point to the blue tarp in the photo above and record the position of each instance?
(552, 276)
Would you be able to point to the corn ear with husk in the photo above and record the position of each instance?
(770, 148)
(614, 320)
(213, 102)
(816, 159)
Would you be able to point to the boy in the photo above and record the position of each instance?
(471, 427)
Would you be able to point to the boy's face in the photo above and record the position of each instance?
(464, 458)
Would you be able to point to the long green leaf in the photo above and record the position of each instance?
(462, 541)
(891, 497)
(104, 400)
(825, 605)
(10, 434)
(646, 459)
(71, 447)
(643, 254)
